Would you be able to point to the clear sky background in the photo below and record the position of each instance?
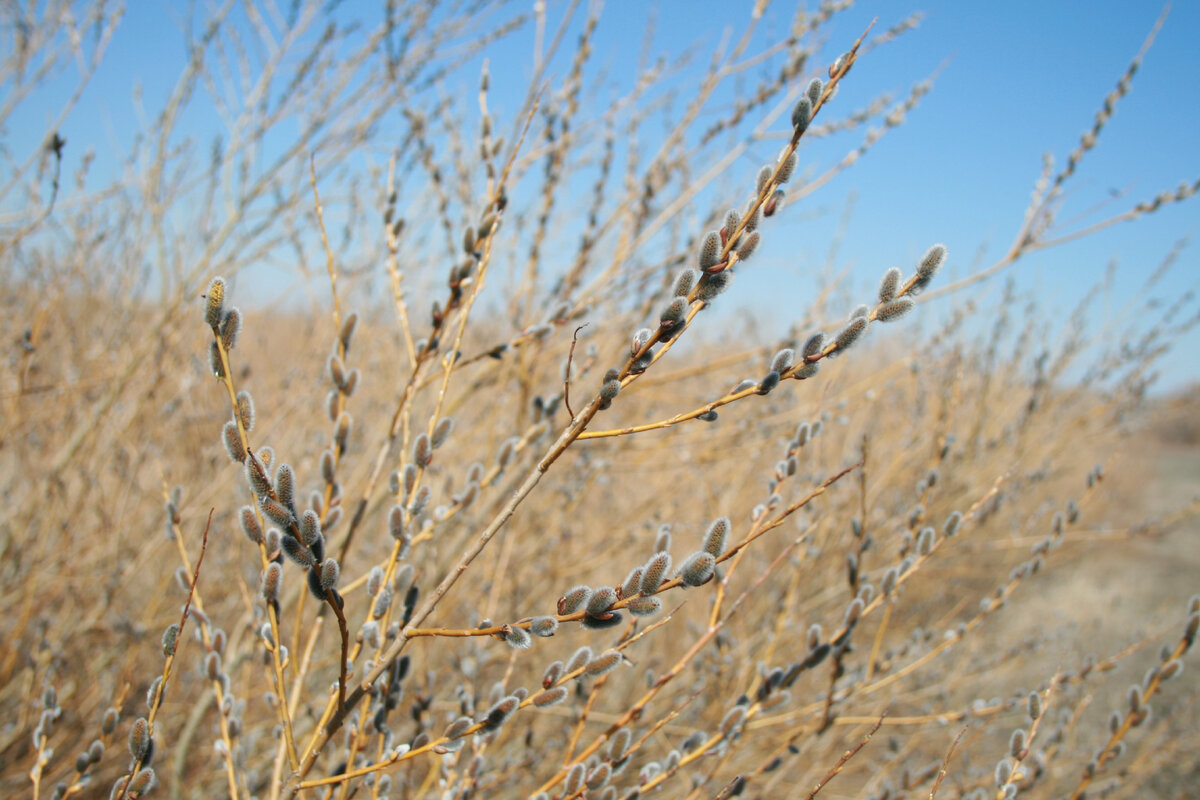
(1014, 80)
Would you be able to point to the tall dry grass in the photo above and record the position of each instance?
(506, 513)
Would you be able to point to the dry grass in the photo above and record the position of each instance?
(948, 570)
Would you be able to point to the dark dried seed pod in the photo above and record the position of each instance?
(644, 606)
(698, 569)
(656, 568)
(893, 310)
(710, 250)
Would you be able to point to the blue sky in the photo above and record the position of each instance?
(1015, 80)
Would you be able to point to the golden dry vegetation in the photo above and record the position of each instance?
(936, 563)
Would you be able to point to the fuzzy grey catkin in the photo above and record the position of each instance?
(769, 382)
(330, 571)
(893, 310)
(603, 664)
(783, 360)
(601, 601)
(850, 334)
(763, 179)
(275, 511)
(732, 220)
(550, 697)
(813, 345)
(574, 599)
(713, 286)
(632, 583)
(214, 305)
(644, 606)
(543, 626)
(802, 114)
(697, 569)
(579, 659)
(814, 90)
(270, 582)
(674, 313)
(442, 431)
(232, 439)
(422, 452)
(296, 551)
(950, 528)
(553, 672)
(245, 410)
(609, 390)
(889, 285)
(748, 244)
(139, 739)
(710, 250)
(787, 165)
(684, 282)
(518, 639)
(656, 568)
(574, 782)
(715, 536)
(231, 327)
